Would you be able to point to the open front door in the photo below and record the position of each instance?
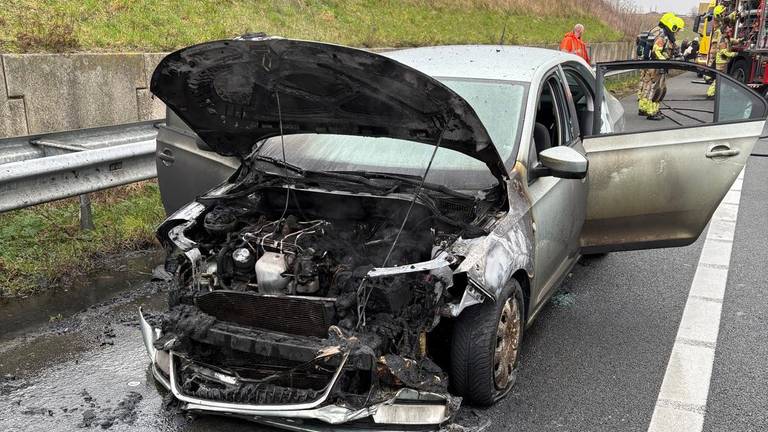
(658, 182)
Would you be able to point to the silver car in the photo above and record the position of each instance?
(364, 238)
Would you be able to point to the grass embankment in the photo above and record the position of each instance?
(623, 85)
(148, 25)
(44, 245)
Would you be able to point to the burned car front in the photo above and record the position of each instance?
(303, 296)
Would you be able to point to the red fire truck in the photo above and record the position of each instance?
(743, 23)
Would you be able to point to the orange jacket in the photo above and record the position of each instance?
(574, 45)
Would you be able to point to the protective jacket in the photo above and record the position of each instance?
(668, 26)
(722, 58)
(575, 45)
(658, 53)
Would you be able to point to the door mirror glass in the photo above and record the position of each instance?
(562, 162)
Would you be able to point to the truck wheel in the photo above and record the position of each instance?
(485, 352)
(739, 71)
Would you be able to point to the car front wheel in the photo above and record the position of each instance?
(485, 352)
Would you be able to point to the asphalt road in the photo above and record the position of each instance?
(594, 360)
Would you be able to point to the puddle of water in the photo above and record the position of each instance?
(18, 316)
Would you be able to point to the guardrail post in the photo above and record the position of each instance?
(86, 215)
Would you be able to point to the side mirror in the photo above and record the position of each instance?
(561, 162)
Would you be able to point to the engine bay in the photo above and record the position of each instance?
(251, 245)
(319, 270)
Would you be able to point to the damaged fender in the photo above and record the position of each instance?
(491, 261)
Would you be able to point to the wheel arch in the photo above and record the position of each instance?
(739, 59)
(521, 276)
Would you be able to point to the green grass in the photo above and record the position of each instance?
(148, 25)
(44, 245)
(623, 85)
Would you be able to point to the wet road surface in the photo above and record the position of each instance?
(594, 359)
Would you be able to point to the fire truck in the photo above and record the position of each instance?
(743, 23)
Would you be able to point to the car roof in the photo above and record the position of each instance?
(497, 62)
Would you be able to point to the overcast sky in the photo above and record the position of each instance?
(677, 6)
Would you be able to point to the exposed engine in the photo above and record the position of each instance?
(301, 257)
(259, 247)
(251, 252)
(271, 275)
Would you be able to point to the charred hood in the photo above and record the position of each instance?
(231, 91)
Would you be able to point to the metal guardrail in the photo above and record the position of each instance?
(42, 168)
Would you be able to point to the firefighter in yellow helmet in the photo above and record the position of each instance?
(722, 25)
(657, 44)
(722, 57)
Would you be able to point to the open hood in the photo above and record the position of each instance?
(228, 91)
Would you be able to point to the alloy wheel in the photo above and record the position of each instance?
(508, 335)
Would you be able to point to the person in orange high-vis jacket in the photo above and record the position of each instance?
(573, 43)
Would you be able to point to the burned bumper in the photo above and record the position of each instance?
(294, 409)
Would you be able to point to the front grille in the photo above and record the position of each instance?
(194, 380)
(299, 316)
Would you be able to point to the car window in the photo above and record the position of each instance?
(569, 129)
(583, 100)
(325, 152)
(735, 103)
(498, 104)
(676, 96)
(549, 126)
(547, 115)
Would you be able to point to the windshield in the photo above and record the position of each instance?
(498, 104)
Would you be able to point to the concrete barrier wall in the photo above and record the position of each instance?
(53, 92)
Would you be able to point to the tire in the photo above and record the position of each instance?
(739, 71)
(476, 339)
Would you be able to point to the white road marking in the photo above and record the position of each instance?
(682, 400)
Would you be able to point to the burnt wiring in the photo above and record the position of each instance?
(417, 193)
(361, 294)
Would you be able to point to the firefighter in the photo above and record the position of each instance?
(658, 44)
(717, 33)
(722, 28)
(690, 53)
(723, 56)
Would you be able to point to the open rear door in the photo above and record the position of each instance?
(658, 182)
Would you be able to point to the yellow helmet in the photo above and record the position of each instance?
(680, 23)
(672, 22)
(719, 10)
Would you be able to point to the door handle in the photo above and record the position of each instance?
(721, 151)
(166, 157)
